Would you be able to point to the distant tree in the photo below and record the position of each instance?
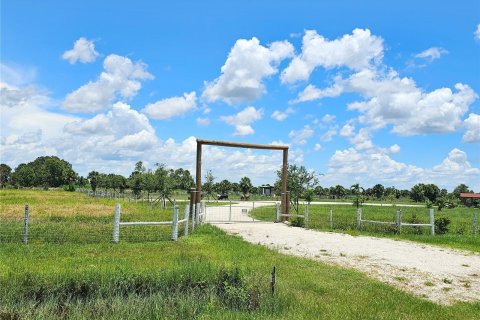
(462, 188)
(378, 191)
(308, 195)
(5, 175)
(319, 191)
(417, 193)
(245, 185)
(431, 192)
(93, 177)
(182, 179)
(236, 187)
(208, 184)
(224, 186)
(339, 191)
(164, 181)
(357, 192)
(149, 182)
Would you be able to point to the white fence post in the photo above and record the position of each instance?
(432, 221)
(359, 218)
(197, 213)
(277, 205)
(474, 226)
(25, 225)
(193, 217)
(175, 222)
(185, 230)
(331, 218)
(116, 224)
(230, 212)
(204, 206)
(306, 215)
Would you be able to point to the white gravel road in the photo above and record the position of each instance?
(439, 274)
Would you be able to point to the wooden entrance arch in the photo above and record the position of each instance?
(200, 142)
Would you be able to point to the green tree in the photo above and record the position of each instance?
(417, 193)
(24, 175)
(5, 175)
(378, 191)
(93, 177)
(357, 192)
(245, 185)
(431, 192)
(208, 184)
(299, 179)
(224, 187)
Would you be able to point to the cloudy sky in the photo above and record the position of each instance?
(368, 93)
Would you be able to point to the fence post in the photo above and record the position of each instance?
(306, 215)
(399, 220)
(193, 217)
(331, 218)
(277, 205)
(474, 227)
(204, 204)
(175, 222)
(116, 224)
(187, 210)
(359, 218)
(197, 213)
(432, 221)
(230, 212)
(25, 225)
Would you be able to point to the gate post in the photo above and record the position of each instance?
(175, 222)
(432, 221)
(187, 211)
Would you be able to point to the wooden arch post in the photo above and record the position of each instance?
(197, 197)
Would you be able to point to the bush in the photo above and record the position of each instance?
(441, 225)
(297, 222)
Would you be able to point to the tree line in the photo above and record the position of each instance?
(53, 172)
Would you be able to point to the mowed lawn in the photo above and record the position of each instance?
(459, 235)
(207, 275)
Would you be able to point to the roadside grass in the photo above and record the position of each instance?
(185, 280)
(207, 275)
(345, 220)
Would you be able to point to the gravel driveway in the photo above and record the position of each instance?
(439, 274)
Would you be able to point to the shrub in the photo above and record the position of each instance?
(297, 222)
(441, 225)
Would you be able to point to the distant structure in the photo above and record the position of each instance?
(266, 190)
(470, 195)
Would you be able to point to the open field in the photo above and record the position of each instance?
(344, 220)
(207, 275)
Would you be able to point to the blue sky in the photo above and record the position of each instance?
(362, 92)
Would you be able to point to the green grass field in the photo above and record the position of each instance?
(207, 275)
(459, 234)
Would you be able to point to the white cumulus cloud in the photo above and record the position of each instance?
(172, 107)
(242, 121)
(83, 51)
(247, 65)
(472, 123)
(281, 115)
(301, 136)
(356, 51)
(121, 79)
(477, 32)
(431, 53)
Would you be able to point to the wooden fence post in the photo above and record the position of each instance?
(116, 224)
(432, 221)
(25, 225)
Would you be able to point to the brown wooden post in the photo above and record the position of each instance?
(284, 184)
(198, 174)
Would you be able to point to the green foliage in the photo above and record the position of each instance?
(299, 179)
(245, 185)
(441, 225)
(94, 178)
(308, 195)
(5, 175)
(297, 222)
(49, 171)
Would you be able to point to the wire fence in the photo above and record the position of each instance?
(155, 225)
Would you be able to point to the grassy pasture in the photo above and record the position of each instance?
(208, 275)
(345, 220)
